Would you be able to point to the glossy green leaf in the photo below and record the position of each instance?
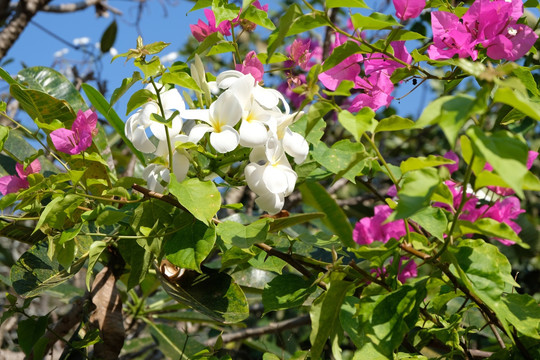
(519, 101)
(29, 331)
(173, 343)
(346, 3)
(358, 124)
(342, 52)
(522, 312)
(139, 98)
(417, 163)
(127, 83)
(57, 211)
(138, 257)
(34, 272)
(403, 35)
(7, 77)
(324, 314)
(42, 106)
(505, 153)
(225, 302)
(4, 133)
(286, 291)
(375, 21)
(109, 37)
(150, 68)
(316, 196)
(258, 16)
(450, 112)
(223, 11)
(433, 220)
(394, 123)
(293, 219)
(114, 120)
(50, 81)
(490, 228)
(415, 193)
(181, 79)
(243, 236)
(200, 198)
(307, 22)
(191, 245)
(96, 249)
(344, 158)
(311, 126)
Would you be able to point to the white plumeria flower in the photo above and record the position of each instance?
(253, 131)
(180, 158)
(137, 123)
(154, 174)
(270, 175)
(219, 120)
(294, 144)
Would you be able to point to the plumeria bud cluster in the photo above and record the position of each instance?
(243, 113)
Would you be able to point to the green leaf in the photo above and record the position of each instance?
(42, 106)
(294, 219)
(244, 236)
(201, 4)
(150, 68)
(490, 228)
(200, 198)
(56, 212)
(344, 158)
(285, 292)
(34, 272)
(4, 133)
(226, 302)
(109, 37)
(375, 21)
(417, 163)
(223, 11)
(139, 98)
(450, 112)
(324, 314)
(285, 22)
(519, 101)
(311, 126)
(394, 123)
(433, 220)
(358, 124)
(110, 215)
(19, 232)
(307, 22)
(139, 258)
(505, 153)
(181, 79)
(173, 343)
(96, 249)
(155, 47)
(127, 83)
(524, 75)
(415, 193)
(29, 331)
(191, 245)
(342, 52)
(257, 16)
(7, 77)
(114, 120)
(346, 3)
(403, 35)
(521, 311)
(316, 196)
(53, 83)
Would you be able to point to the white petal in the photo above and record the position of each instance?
(275, 180)
(198, 131)
(226, 140)
(258, 155)
(226, 110)
(227, 78)
(296, 146)
(253, 173)
(272, 203)
(291, 179)
(140, 140)
(253, 134)
(242, 89)
(197, 114)
(274, 149)
(158, 129)
(172, 99)
(180, 166)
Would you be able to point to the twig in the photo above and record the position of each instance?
(71, 7)
(152, 194)
(254, 332)
(368, 276)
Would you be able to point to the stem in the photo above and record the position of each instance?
(119, 201)
(381, 159)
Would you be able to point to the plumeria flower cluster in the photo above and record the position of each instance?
(489, 23)
(244, 113)
(203, 29)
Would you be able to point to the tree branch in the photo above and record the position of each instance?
(71, 7)
(254, 332)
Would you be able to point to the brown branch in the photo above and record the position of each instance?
(24, 13)
(71, 7)
(290, 260)
(152, 194)
(254, 332)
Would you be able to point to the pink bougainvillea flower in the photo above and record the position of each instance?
(380, 62)
(404, 272)
(13, 183)
(452, 168)
(348, 69)
(409, 9)
(517, 40)
(450, 37)
(202, 30)
(79, 138)
(371, 229)
(252, 65)
(505, 211)
(299, 52)
(376, 92)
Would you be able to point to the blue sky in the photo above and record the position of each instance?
(35, 47)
